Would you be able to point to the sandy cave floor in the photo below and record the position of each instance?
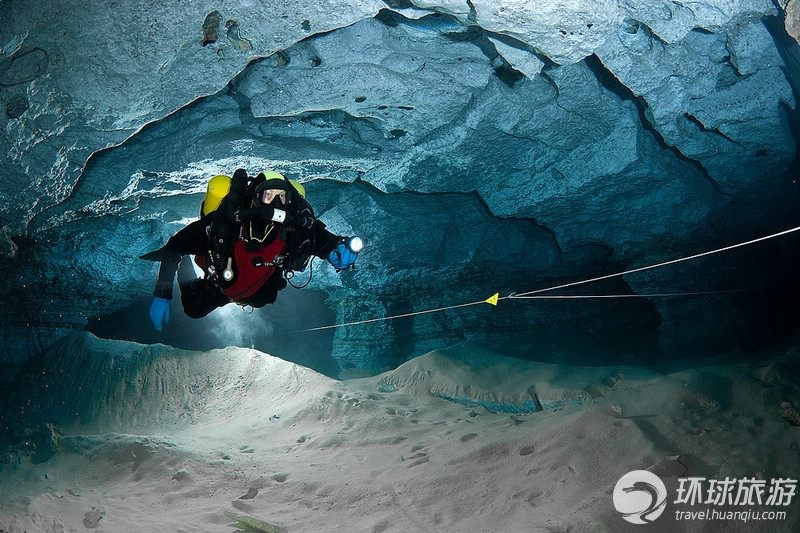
(292, 448)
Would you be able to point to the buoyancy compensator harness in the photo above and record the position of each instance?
(299, 236)
(240, 259)
(239, 272)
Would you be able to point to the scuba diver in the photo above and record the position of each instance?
(252, 235)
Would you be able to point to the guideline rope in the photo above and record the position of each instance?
(529, 294)
(381, 319)
(593, 296)
(659, 265)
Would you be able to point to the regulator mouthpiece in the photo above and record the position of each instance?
(356, 244)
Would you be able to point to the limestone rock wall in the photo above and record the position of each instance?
(591, 136)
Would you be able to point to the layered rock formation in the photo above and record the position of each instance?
(589, 137)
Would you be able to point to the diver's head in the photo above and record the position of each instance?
(274, 190)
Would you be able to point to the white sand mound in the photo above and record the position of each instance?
(473, 376)
(163, 440)
(89, 385)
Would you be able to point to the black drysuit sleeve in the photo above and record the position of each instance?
(324, 240)
(191, 240)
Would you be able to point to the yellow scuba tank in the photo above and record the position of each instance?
(218, 188)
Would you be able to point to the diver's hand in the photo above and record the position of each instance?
(342, 257)
(159, 312)
(304, 218)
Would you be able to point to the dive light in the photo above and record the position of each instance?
(355, 244)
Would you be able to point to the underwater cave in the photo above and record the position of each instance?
(580, 225)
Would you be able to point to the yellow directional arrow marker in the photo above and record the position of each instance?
(493, 299)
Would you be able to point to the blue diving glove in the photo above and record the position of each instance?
(342, 257)
(159, 312)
